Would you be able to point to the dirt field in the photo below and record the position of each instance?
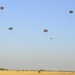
(34, 73)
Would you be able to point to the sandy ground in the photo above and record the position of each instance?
(34, 73)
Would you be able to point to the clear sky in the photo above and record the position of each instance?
(26, 47)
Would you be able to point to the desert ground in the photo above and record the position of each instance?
(35, 73)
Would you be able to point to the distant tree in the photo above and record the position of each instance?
(39, 71)
(3, 69)
(42, 70)
(23, 70)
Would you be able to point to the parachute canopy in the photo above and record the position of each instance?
(71, 11)
(1, 7)
(51, 38)
(45, 30)
(10, 28)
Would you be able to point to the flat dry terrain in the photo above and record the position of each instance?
(35, 73)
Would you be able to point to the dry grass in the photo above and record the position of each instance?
(35, 73)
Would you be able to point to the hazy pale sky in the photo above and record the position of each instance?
(26, 47)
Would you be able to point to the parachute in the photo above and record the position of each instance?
(51, 38)
(71, 11)
(10, 28)
(1, 7)
(45, 30)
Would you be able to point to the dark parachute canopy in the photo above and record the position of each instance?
(1, 7)
(51, 38)
(10, 28)
(45, 30)
(71, 11)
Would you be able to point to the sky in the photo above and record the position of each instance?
(27, 46)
